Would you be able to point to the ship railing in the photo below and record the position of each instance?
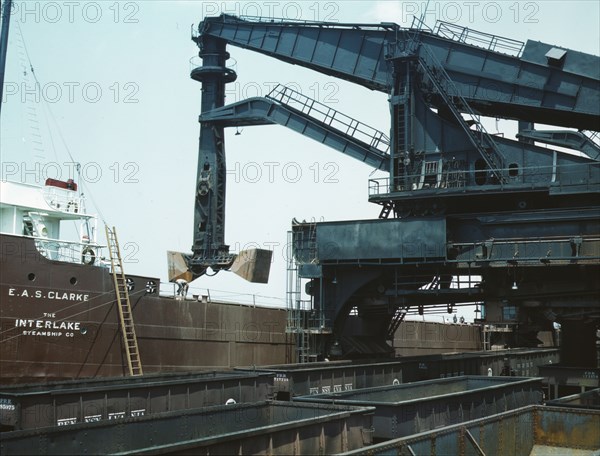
(306, 319)
(64, 200)
(70, 251)
(562, 177)
(206, 295)
(172, 290)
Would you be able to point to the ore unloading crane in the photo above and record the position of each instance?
(458, 203)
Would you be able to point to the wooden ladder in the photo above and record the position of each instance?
(125, 315)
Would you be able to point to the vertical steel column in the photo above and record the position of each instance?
(209, 213)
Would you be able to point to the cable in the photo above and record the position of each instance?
(57, 126)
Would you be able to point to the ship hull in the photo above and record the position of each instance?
(60, 321)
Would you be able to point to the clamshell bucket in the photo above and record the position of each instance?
(178, 268)
(253, 265)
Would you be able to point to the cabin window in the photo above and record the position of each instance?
(509, 313)
(73, 281)
(31, 276)
(513, 170)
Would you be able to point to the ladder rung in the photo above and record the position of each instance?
(121, 290)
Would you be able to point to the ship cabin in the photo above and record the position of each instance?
(51, 214)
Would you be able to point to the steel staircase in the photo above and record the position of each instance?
(125, 314)
(401, 148)
(291, 109)
(401, 311)
(31, 225)
(28, 227)
(304, 348)
(328, 116)
(402, 138)
(386, 210)
(447, 90)
(396, 321)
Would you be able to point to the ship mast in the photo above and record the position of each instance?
(4, 44)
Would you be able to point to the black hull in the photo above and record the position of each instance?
(60, 321)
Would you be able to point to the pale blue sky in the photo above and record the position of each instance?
(144, 119)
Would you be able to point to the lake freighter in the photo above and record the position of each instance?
(59, 313)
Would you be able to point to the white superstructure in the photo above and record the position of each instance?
(37, 212)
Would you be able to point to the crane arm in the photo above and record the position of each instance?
(458, 70)
(497, 76)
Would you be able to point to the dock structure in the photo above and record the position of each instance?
(465, 216)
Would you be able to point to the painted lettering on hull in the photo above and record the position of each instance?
(47, 324)
(58, 295)
(48, 328)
